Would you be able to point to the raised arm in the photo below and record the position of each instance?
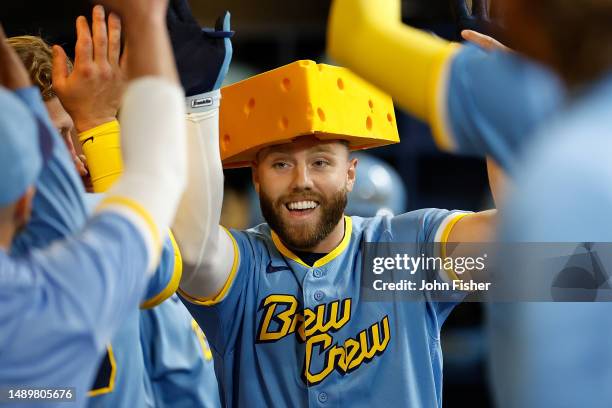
(202, 57)
(476, 102)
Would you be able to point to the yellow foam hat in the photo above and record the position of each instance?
(298, 99)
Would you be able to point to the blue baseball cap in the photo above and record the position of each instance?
(21, 148)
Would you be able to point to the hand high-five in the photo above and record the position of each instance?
(202, 55)
(91, 93)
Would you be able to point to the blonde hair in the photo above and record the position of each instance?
(37, 57)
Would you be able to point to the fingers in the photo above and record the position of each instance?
(114, 38)
(59, 71)
(483, 41)
(100, 34)
(83, 51)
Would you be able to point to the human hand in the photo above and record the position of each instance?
(202, 55)
(483, 41)
(91, 93)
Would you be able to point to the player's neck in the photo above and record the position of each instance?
(331, 241)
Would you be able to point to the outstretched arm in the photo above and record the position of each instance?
(202, 58)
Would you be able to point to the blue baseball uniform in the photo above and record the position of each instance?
(177, 357)
(562, 195)
(51, 333)
(494, 103)
(287, 334)
(130, 374)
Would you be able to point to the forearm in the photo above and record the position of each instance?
(407, 63)
(102, 148)
(206, 248)
(153, 146)
(153, 56)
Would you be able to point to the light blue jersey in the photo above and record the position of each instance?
(495, 102)
(177, 357)
(55, 312)
(563, 194)
(288, 335)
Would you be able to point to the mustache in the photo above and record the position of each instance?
(301, 196)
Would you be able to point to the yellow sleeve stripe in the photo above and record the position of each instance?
(438, 118)
(444, 240)
(105, 128)
(139, 210)
(207, 353)
(211, 301)
(174, 281)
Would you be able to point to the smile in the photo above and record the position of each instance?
(301, 205)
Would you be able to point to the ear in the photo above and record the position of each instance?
(255, 175)
(351, 174)
(23, 207)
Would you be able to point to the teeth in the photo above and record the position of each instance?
(302, 205)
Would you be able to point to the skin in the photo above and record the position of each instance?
(311, 168)
(91, 93)
(65, 126)
(306, 167)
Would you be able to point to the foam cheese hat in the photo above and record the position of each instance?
(299, 99)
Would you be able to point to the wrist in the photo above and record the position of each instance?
(84, 125)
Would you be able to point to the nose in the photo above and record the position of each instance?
(302, 179)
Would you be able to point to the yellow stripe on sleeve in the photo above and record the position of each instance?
(174, 282)
(221, 295)
(136, 209)
(444, 240)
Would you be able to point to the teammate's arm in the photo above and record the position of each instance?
(91, 94)
(210, 254)
(476, 102)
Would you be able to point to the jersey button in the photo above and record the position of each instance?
(319, 295)
(323, 397)
(317, 273)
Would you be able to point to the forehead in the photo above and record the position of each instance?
(305, 145)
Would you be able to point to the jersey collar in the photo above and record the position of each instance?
(287, 253)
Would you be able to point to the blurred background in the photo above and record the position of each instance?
(398, 178)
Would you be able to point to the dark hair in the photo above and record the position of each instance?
(580, 34)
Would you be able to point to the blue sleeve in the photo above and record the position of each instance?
(496, 101)
(177, 357)
(425, 228)
(59, 306)
(167, 276)
(59, 207)
(221, 318)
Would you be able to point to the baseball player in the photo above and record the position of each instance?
(123, 378)
(280, 303)
(176, 374)
(476, 102)
(69, 296)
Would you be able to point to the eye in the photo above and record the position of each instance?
(320, 163)
(280, 165)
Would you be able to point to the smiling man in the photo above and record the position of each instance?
(281, 303)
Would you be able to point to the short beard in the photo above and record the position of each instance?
(307, 237)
